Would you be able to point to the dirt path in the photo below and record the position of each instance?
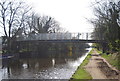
(99, 68)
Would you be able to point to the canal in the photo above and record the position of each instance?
(54, 67)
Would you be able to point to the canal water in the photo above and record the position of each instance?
(41, 68)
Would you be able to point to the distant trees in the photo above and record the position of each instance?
(42, 24)
(16, 18)
(107, 24)
(12, 16)
(17, 21)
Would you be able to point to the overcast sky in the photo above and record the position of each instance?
(71, 14)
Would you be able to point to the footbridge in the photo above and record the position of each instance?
(59, 37)
(36, 42)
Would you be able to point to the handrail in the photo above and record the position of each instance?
(55, 36)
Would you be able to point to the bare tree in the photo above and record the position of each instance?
(107, 23)
(42, 24)
(12, 17)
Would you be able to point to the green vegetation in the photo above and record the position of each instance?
(23, 50)
(106, 25)
(81, 73)
(0, 52)
(112, 58)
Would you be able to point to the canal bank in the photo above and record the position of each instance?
(81, 73)
(95, 67)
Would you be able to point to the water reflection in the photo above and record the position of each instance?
(51, 65)
(53, 62)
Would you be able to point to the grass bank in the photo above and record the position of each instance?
(112, 58)
(81, 73)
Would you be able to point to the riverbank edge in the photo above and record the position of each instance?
(81, 70)
(113, 59)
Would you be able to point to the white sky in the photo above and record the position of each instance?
(70, 14)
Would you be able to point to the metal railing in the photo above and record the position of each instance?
(56, 36)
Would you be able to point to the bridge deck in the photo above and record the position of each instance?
(66, 40)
